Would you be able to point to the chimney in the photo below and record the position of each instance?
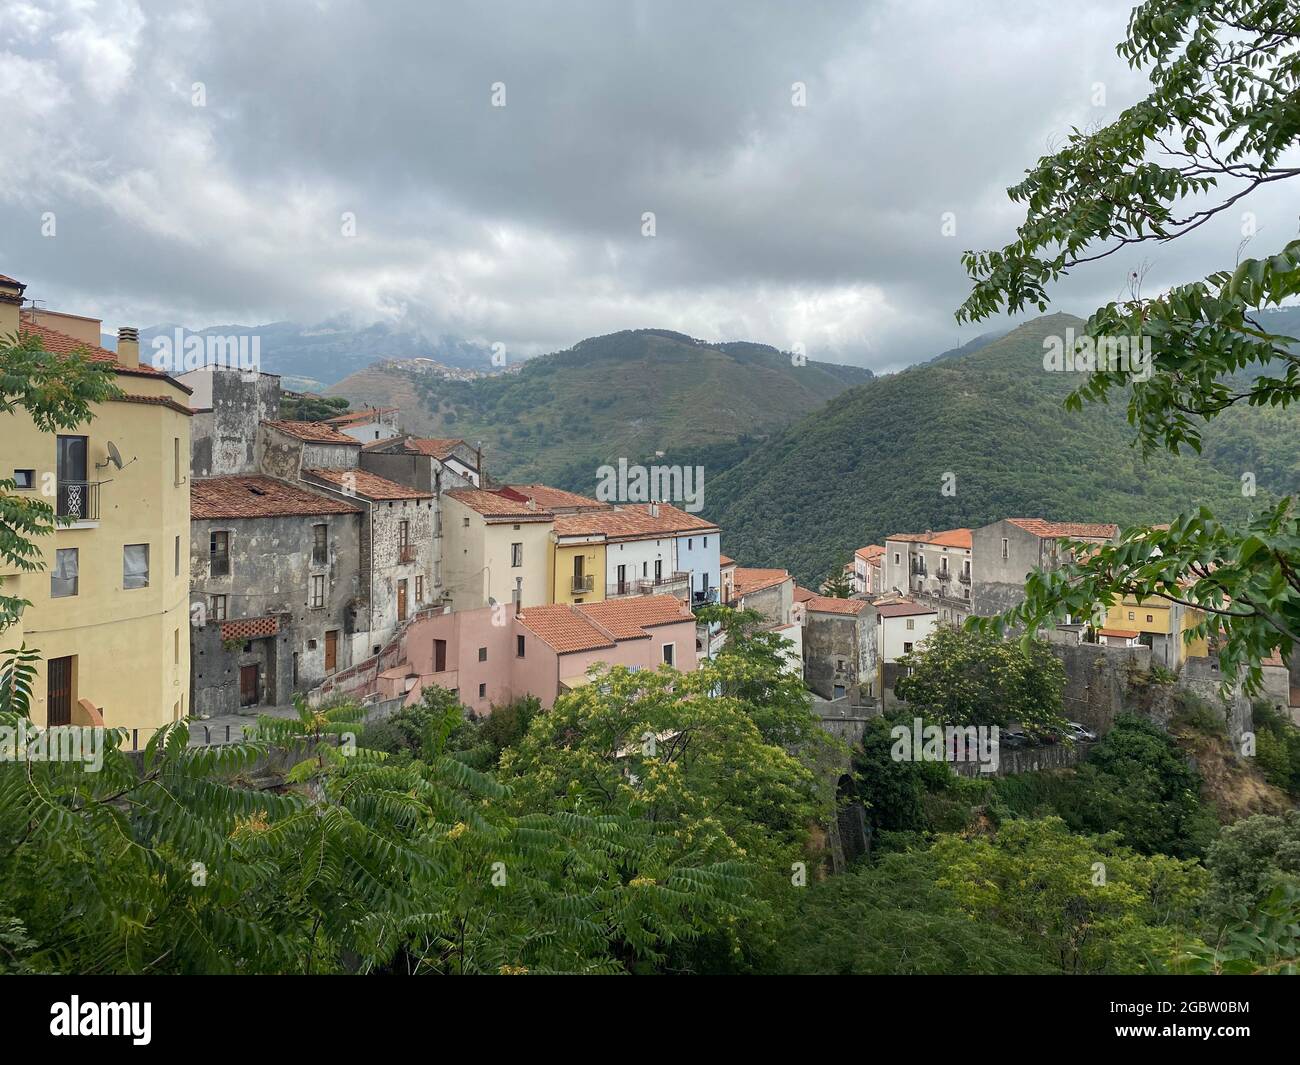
(654, 510)
(128, 346)
(11, 302)
(519, 596)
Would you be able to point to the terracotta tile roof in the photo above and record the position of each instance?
(415, 445)
(367, 485)
(902, 610)
(312, 432)
(360, 417)
(497, 507)
(62, 344)
(634, 522)
(1074, 529)
(870, 552)
(563, 629)
(255, 496)
(827, 604)
(250, 628)
(1127, 634)
(593, 626)
(948, 538)
(7, 280)
(627, 619)
(1275, 659)
(755, 580)
(552, 498)
(723, 560)
(802, 595)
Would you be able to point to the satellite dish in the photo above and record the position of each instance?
(114, 456)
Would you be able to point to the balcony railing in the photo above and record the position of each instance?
(669, 585)
(406, 553)
(964, 577)
(79, 500)
(583, 584)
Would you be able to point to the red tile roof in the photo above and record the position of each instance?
(360, 417)
(554, 498)
(6, 280)
(802, 595)
(496, 507)
(755, 580)
(255, 496)
(1076, 530)
(563, 629)
(158, 401)
(826, 604)
(723, 560)
(62, 344)
(634, 522)
(867, 554)
(415, 445)
(948, 538)
(366, 484)
(1127, 634)
(313, 432)
(593, 626)
(627, 619)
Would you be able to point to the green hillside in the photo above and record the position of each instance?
(629, 394)
(873, 460)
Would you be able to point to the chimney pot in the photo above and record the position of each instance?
(128, 346)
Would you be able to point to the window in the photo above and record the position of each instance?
(907, 648)
(216, 608)
(482, 654)
(1150, 618)
(896, 558)
(24, 478)
(176, 460)
(1130, 615)
(516, 555)
(911, 623)
(176, 647)
(320, 545)
(670, 653)
(690, 544)
(135, 566)
(1006, 547)
(466, 520)
(63, 577)
(178, 556)
(318, 591)
(403, 533)
(482, 691)
(419, 588)
(219, 554)
(519, 646)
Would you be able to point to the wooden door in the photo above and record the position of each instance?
(59, 692)
(439, 656)
(248, 685)
(331, 650)
(401, 600)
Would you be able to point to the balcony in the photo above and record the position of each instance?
(675, 584)
(406, 553)
(219, 566)
(583, 584)
(964, 577)
(78, 500)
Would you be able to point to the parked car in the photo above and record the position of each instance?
(1079, 732)
(1012, 739)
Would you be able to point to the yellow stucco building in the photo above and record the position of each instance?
(109, 611)
(1160, 625)
(579, 568)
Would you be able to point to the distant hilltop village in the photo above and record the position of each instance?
(219, 557)
(448, 373)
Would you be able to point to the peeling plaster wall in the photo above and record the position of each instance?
(224, 440)
(270, 573)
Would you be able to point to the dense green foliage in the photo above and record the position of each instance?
(630, 395)
(312, 408)
(960, 677)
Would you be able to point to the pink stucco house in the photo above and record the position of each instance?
(494, 655)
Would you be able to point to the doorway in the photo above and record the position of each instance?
(59, 692)
(248, 678)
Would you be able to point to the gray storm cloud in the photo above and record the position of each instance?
(818, 224)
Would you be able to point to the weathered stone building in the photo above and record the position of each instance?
(229, 405)
(839, 648)
(275, 587)
(1007, 551)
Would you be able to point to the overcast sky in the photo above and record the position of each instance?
(522, 224)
